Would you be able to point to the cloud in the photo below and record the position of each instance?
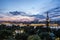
(17, 18)
(56, 17)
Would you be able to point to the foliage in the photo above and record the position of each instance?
(34, 37)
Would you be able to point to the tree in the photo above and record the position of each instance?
(33, 37)
(44, 36)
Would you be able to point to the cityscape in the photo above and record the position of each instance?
(29, 19)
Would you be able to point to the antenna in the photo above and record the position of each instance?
(47, 20)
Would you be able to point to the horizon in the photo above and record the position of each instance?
(27, 8)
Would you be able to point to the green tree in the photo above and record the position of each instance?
(33, 37)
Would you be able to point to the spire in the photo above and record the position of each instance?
(47, 20)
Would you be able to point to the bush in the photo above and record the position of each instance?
(33, 37)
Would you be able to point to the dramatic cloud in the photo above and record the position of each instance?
(17, 18)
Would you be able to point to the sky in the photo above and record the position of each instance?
(28, 6)
(31, 7)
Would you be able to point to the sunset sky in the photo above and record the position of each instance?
(30, 7)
